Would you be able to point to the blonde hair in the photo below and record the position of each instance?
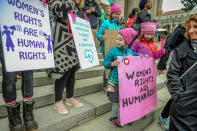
(81, 4)
(187, 24)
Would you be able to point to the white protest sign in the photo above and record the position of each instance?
(26, 35)
(84, 42)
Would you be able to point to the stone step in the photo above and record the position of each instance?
(101, 123)
(95, 105)
(41, 78)
(44, 95)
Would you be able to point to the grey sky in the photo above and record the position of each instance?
(169, 5)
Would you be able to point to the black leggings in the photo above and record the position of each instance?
(68, 81)
(166, 109)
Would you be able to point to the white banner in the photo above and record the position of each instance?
(26, 35)
(84, 42)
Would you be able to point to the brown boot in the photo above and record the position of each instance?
(15, 121)
(28, 116)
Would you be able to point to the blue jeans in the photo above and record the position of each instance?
(9, 84)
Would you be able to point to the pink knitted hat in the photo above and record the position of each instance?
(128, 34)
(115, 8)
(148, 28)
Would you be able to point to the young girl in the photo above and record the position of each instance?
(124, 37)
(146, 43)
(112, 23)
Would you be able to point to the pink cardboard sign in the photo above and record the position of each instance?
(137, 88)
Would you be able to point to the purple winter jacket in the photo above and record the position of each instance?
(138, 47)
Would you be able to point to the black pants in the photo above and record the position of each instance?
(165, 112)
(68, 81)
(9, 84)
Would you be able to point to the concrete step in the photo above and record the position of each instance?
(101, 123)
(49, 120)
(44, 95)
(41, 78)
(95, 105)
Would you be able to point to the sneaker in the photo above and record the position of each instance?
(74, 102)
(60, 108)
(164, 122)
(115, 122)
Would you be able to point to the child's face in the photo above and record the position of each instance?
(116, 15)
(148, 37)
(108, 10)
(120, 41)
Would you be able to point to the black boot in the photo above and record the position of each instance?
(15, 121)
(28, 116)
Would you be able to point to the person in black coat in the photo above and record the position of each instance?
(144, 15)
(183, 88)
(174, 40)
(91, 8)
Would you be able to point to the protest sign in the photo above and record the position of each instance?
(26, 35)
(84, 42)
(137, 88)
(109, 43)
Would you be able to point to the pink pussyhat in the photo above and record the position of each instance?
(128, 34)
(148, 28)
(115, 8)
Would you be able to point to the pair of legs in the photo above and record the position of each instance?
(13, 107)
(66, 81)
(163, 118)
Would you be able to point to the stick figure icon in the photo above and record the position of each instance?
(49, 40)
(8, 33)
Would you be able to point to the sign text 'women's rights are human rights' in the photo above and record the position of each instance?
(26, 35)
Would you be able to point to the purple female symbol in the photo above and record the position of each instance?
(9, 42)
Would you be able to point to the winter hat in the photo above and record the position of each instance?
(128, 34)
(148, 28)
(142, 3)
(115, 8)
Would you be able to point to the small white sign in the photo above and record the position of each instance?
(26, 35)
(84, 42)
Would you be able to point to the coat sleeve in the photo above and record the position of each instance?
(97, 10)
(172, 40)
(174, 83)
(130, 22)
(143, 18)
(101, 30)
(163, 61)
(61, 9)
(108, 59)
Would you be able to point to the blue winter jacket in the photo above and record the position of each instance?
(106, 25)
(111, 57)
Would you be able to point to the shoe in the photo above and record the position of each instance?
(28, 116)
(164, 122)
(60, 108)
(15, 121)
(115, 122)
(74, 102)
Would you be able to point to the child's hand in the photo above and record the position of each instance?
(104, 37)
(115, 63)
(147, 56)
(140, 55)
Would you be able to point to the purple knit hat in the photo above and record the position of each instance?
(148, 28)
(115, 8)
(128, 34)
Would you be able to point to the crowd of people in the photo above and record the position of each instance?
(137, 39)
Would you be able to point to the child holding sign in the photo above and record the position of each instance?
(112, 23)
(124, 37)
(146, 43)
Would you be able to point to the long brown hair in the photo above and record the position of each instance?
(110, 20)
(187, 24)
